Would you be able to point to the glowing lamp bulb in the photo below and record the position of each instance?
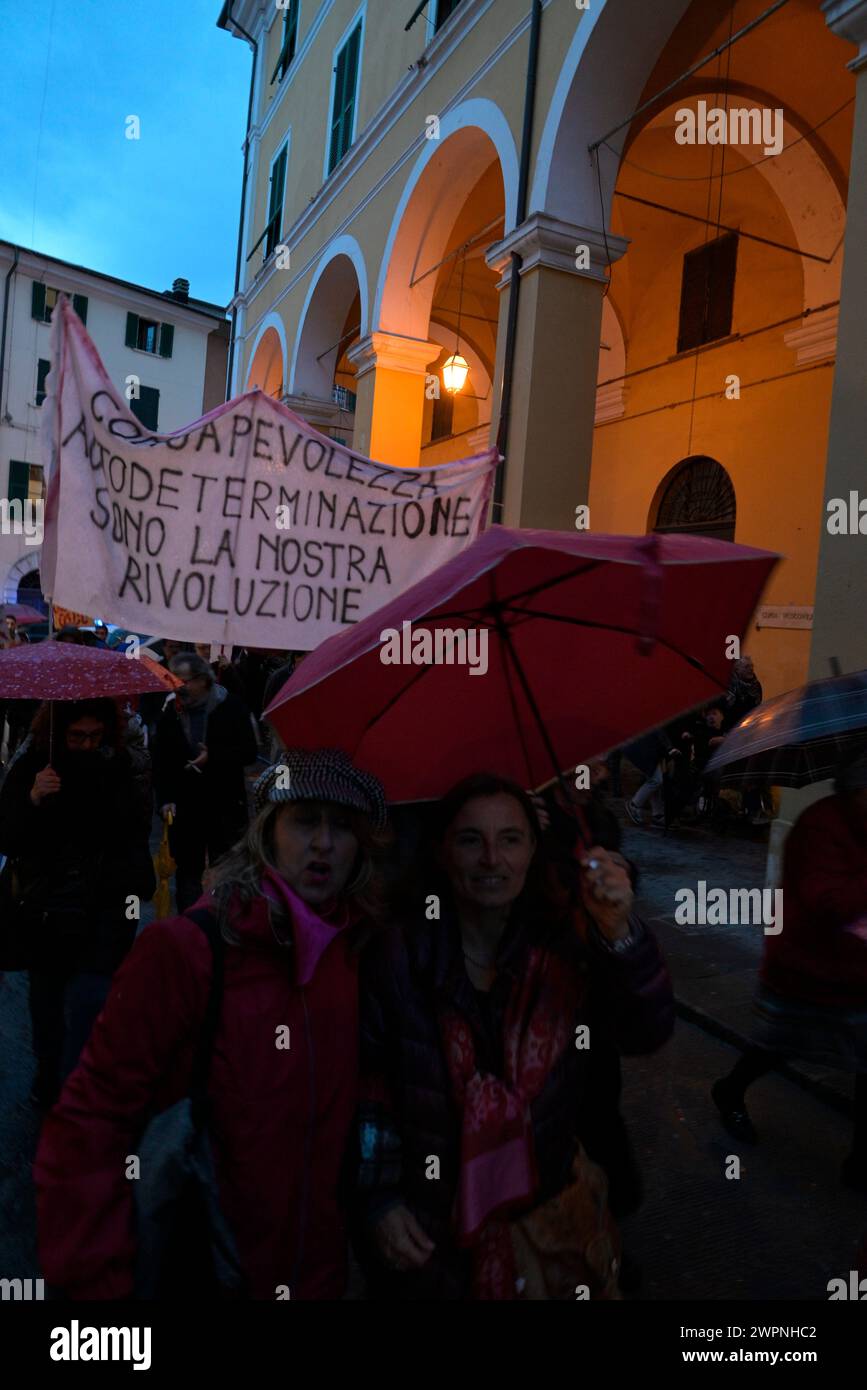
(455, 373)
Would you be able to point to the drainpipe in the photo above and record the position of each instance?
(517, 260)
(255, 47)
(10, 272)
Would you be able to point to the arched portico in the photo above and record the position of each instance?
(267, 368)
(459, 197)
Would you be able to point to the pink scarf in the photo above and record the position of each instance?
(312, 934)
(498, 1171)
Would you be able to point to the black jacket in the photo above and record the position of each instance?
(79, 855)
(231, 745)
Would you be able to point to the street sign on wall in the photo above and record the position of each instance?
(785, 615)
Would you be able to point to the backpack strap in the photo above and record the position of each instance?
(198, 1090)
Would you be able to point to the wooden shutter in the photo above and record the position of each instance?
(707, 292)
(344, 98)
(167, 339)
(289, 40)
(79, 304)
(147, 407)
(132, 330)
(19, 480)
(37, 307)
(722, 262)
(275, 202)
(292, 29)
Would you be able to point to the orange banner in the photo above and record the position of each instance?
(65, 617)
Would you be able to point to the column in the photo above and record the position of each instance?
(391, 372)
(550, 443)
(839, 628)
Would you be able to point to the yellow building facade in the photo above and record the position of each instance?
(677, 187)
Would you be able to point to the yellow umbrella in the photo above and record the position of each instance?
(164, 867)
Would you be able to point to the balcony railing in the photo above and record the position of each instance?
(342, 396)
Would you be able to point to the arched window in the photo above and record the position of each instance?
(697, 497)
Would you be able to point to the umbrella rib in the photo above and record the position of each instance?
(519, 594)
(612, 627)
(398, 695)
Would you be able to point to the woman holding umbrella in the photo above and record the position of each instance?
(481, 1023)
(71, 822)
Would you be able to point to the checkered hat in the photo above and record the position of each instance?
(325, 774)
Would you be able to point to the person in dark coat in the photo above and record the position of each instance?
(204, 740)
(292, 903)
(744, 692)
(474, 1077)
(74, 829)
(812, 997)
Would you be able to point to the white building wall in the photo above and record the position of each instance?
(180, 379)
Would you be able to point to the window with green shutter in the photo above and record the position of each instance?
(343, 110)
(147, 407)
(149, 336)
(44, 298)
(43, 302)
(275, 202)
(42, 370)
(289, 45)
(25, 481)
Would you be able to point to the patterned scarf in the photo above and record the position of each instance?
(498, 1170)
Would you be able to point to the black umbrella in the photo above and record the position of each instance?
(799, 737)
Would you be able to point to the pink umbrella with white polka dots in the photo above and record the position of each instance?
(63, 671)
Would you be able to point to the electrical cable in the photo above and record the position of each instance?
(744, 168)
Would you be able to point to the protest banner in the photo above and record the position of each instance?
(246, 527)
(65, 617)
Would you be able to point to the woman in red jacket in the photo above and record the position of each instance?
(289, 899)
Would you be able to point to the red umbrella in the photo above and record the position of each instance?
(23, 614)
(62, 671)
(591, 640)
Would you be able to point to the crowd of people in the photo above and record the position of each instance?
(391, 1039)
(673, 761)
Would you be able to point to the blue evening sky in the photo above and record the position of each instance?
(74, 186)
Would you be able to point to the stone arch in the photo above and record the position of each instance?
(472, 136)
(340, 275)
(25, 565)
(267, 368)
(613, 36)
